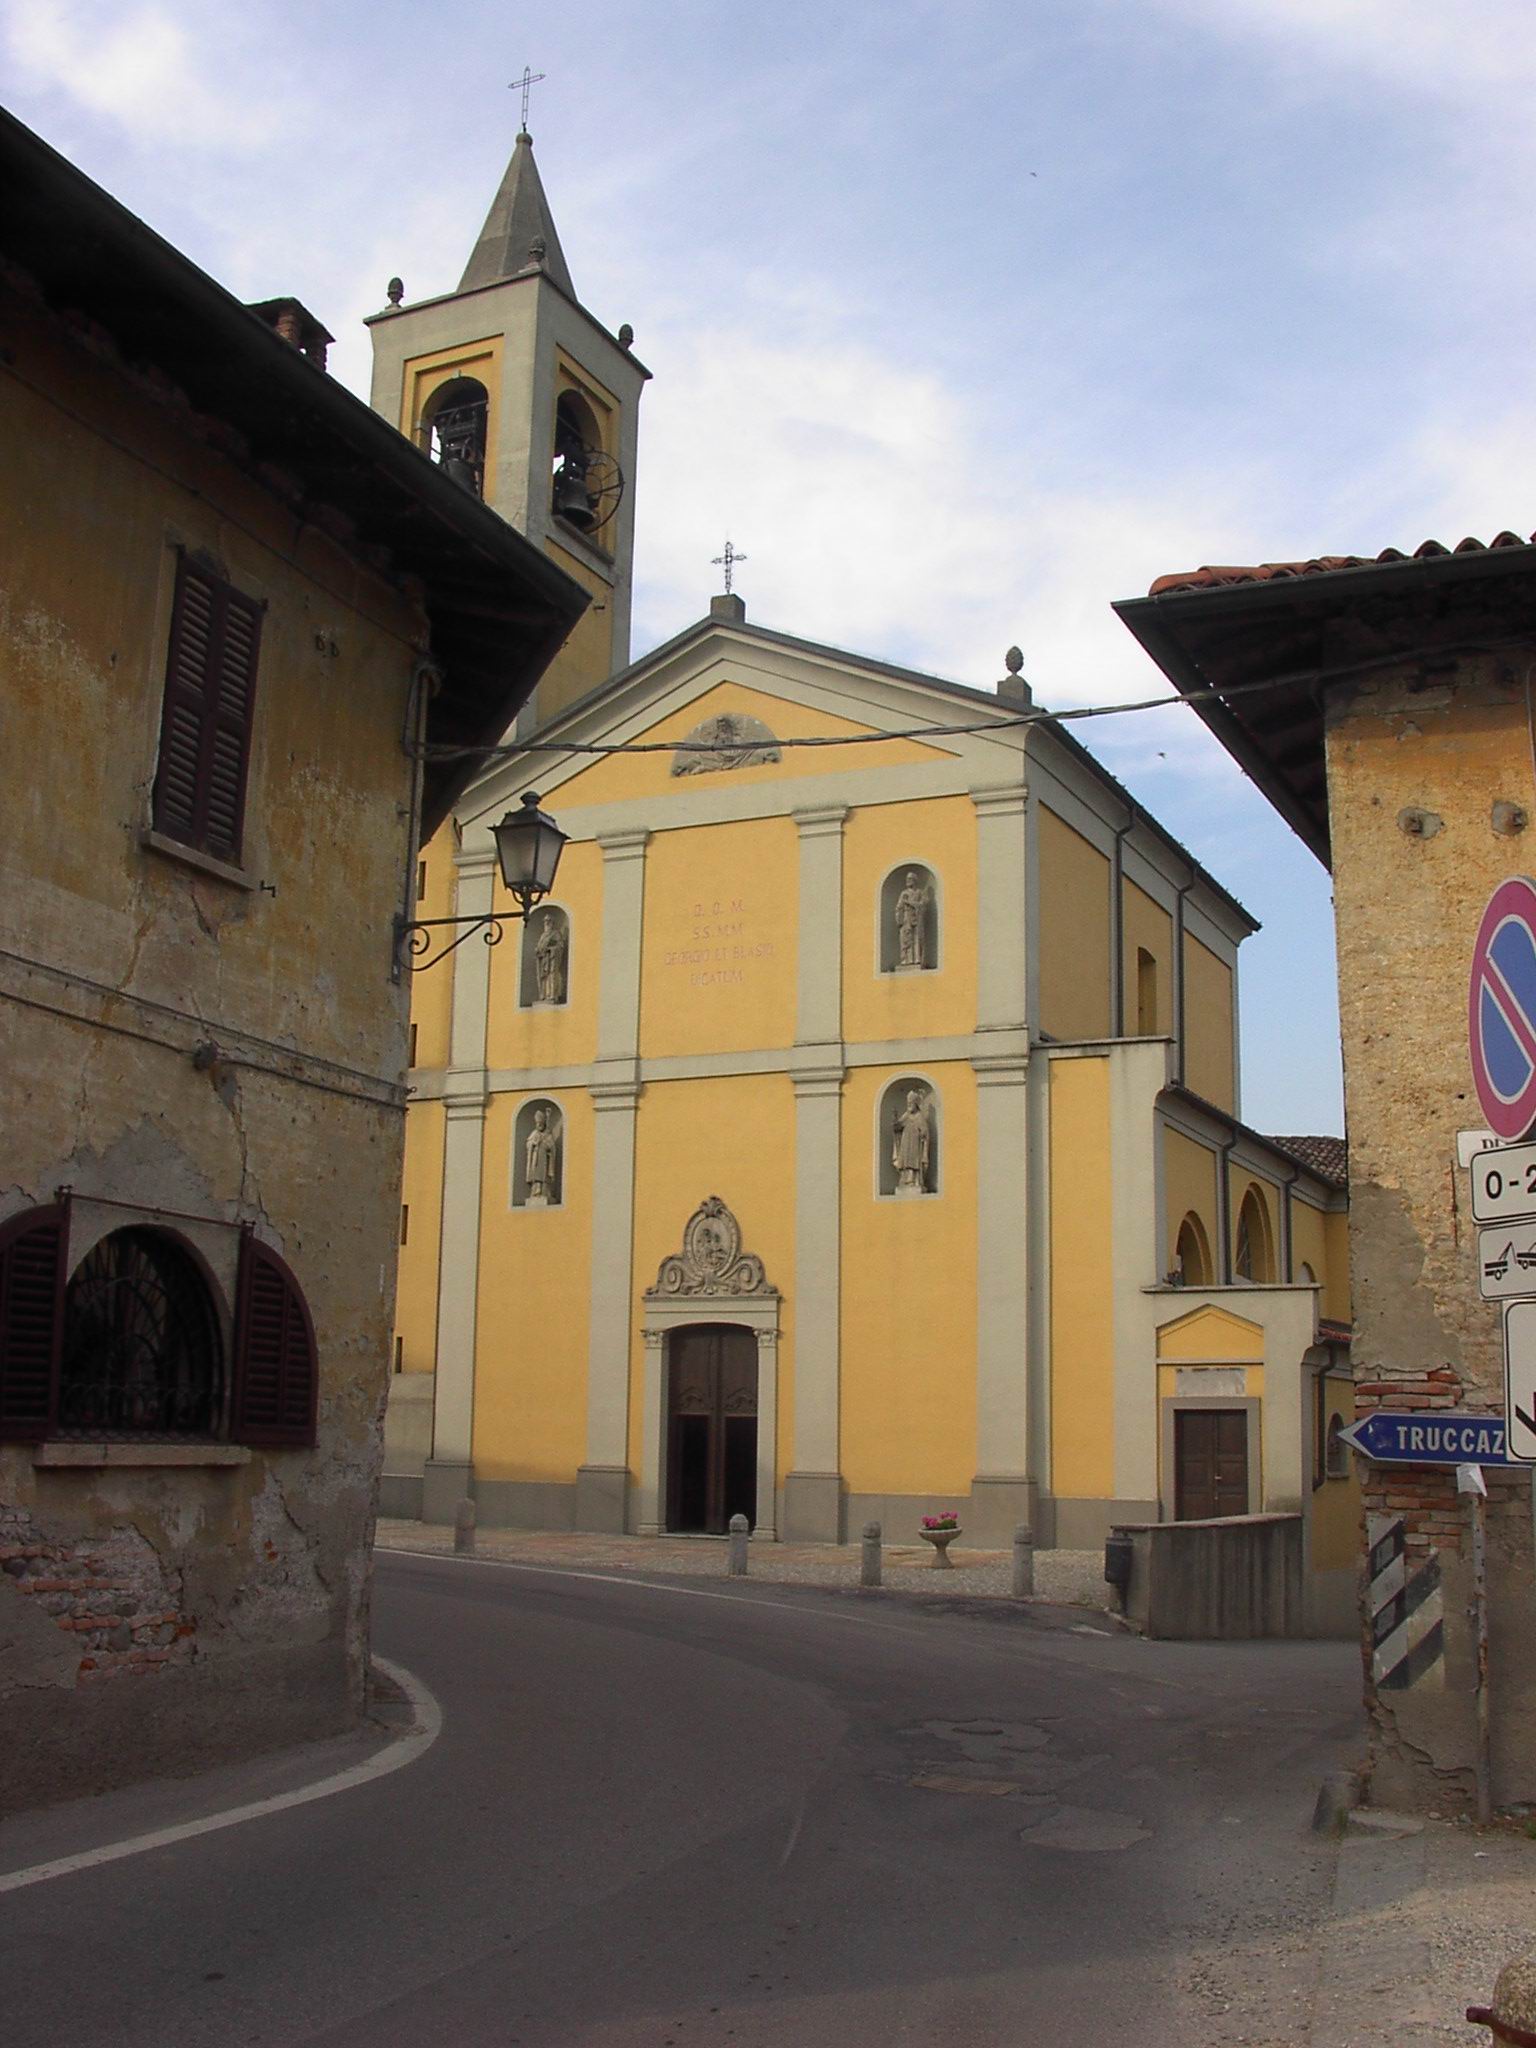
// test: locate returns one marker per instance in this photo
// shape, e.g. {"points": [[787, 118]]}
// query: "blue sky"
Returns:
{"points": [[965, 319]]}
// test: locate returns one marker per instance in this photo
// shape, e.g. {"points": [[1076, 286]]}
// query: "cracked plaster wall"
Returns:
{"points": [[117, 963], [1408, 902]]}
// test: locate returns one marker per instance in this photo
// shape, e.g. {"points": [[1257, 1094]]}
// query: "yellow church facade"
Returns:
{"points": [[854, 1132], [723, 1292]]}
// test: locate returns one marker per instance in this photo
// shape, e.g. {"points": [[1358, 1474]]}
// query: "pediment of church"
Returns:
{"points": [[1210, 1333], [730, 712]]}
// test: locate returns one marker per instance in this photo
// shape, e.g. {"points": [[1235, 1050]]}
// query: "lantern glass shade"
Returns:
{"points": [[528, 845]]}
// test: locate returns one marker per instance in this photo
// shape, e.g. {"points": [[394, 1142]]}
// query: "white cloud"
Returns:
{"points": [[138, 67], [877, 512]]}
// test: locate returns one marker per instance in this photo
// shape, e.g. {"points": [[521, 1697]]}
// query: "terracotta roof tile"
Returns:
{"points": [[1328, 1158], [1322, 565]]}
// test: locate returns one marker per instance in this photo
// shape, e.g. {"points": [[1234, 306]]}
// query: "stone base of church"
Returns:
{"points": [[525, 1504], [1084, 1524], [444, 1483], [813, 1507], [602, 1497], [999, 1502]]}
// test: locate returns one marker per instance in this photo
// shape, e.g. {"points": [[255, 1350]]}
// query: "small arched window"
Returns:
{"points": [[1192, 1255], [454, 426], [1253, 1255], [909, 920], [142, 1354], [538, 1155], [1306, 1277], [908, 1138], [544, 979], [1336, 1456]]}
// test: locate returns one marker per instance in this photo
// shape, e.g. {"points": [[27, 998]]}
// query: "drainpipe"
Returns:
{"points": [[1224, 1185], [1288, 1265], [1178, 980], [1117, 926]]}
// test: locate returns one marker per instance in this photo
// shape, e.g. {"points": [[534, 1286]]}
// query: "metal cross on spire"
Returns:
{"points": [[525, 85], [728, 562]]}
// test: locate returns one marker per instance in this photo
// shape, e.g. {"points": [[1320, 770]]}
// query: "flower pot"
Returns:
{"points": [[941, 1539]]}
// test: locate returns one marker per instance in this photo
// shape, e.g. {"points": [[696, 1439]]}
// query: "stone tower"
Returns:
{"points": [[527, 400]]}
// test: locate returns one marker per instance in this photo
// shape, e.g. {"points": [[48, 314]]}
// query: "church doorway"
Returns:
{"points": [[1210, 1463], [711, 1427]]}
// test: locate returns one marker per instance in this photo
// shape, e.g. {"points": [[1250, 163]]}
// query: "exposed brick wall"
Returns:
{"points": [[110, 1593]]}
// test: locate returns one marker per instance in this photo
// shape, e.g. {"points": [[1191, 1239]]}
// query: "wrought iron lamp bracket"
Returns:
{"points": [[414, 941]]}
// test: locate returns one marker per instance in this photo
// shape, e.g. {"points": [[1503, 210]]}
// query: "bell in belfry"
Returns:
{"points": [[572, 501]]}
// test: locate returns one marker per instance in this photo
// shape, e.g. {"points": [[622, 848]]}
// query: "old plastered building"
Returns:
{"points": [[855, 1131], [231, 601], [1384, 708]]}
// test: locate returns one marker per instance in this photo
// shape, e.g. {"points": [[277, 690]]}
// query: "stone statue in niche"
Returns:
{"points": [[912, 1144], [541, 1163], [912, 921], [733, 740], [549, 958]]}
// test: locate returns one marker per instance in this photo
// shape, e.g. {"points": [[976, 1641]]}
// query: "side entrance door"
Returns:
{"points": [[1210, 1463], [711, 1427]]}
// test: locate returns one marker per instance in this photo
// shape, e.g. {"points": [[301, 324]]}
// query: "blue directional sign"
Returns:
{"points": [[1449, 1437]]}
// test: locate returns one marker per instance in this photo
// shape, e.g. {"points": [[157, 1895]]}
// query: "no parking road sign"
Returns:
{"points": [[1501, 1010]]}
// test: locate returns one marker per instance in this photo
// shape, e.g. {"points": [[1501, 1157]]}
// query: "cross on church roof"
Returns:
{"points": [[728, 562], [525, 84]]}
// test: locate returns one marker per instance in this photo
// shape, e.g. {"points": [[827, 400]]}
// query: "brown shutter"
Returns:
{"points": [[276, 1376], [33, 1267], [205, 727]]}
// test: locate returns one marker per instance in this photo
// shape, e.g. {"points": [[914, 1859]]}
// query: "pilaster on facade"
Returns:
{"points": [[1002, 911], [618, 1001], [813, 1488], [1002, 1494], [819, 1019]]}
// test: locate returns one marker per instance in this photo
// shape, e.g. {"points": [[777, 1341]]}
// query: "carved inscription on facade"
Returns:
{"points": [[722, 946]]}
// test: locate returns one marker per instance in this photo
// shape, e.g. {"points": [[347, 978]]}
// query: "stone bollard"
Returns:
{"points": [[871, 1559], [736, 1548], [1512, 2015], [1023, 1562], [464, 1527]]}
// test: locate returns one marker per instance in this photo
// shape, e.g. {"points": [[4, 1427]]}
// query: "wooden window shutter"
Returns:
{"points": [[205, 727], [33, 1268], [276, 1376]]}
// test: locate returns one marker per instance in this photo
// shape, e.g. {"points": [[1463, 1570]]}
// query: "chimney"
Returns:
{"points": [[297, 326]]}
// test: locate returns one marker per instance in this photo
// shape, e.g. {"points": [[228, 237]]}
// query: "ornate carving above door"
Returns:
{"points": [[712, 1261]]}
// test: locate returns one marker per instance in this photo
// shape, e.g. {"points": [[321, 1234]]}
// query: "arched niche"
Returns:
{"points": [[544, 974], [909, 919], [1253, 1251], [1192, 1253], [454, 425], [908, 1139], [538, 1154]]}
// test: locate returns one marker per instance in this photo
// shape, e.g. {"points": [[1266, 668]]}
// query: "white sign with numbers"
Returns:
{"points": [[1504, 1183]]}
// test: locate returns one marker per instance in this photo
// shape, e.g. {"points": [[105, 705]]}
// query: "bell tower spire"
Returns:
{"points": [[525, 398]]}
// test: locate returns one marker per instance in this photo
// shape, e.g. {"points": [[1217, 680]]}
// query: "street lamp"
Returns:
{"points": [[528, 847]]}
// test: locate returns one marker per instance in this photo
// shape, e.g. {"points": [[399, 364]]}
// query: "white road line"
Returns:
{"points": [[405, 1749]]}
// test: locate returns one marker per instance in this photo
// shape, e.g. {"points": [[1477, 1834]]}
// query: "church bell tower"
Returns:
{"points": [[527, 400]]}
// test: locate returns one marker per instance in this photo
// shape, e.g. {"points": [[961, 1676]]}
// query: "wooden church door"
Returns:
{"points": [[711, 1428], [1210, 1463]]}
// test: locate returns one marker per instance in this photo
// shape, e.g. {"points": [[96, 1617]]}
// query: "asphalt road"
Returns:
{"points": [[681, 1817]]}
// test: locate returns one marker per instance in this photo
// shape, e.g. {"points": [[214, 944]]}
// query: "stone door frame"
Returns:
{"points": [[661, 1317]]}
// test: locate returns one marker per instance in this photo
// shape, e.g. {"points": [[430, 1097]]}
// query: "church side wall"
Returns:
{"points": [[1189, 1184], [1148, 928], [1074, 932], [1210, 1067], [1082, 1290]]}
